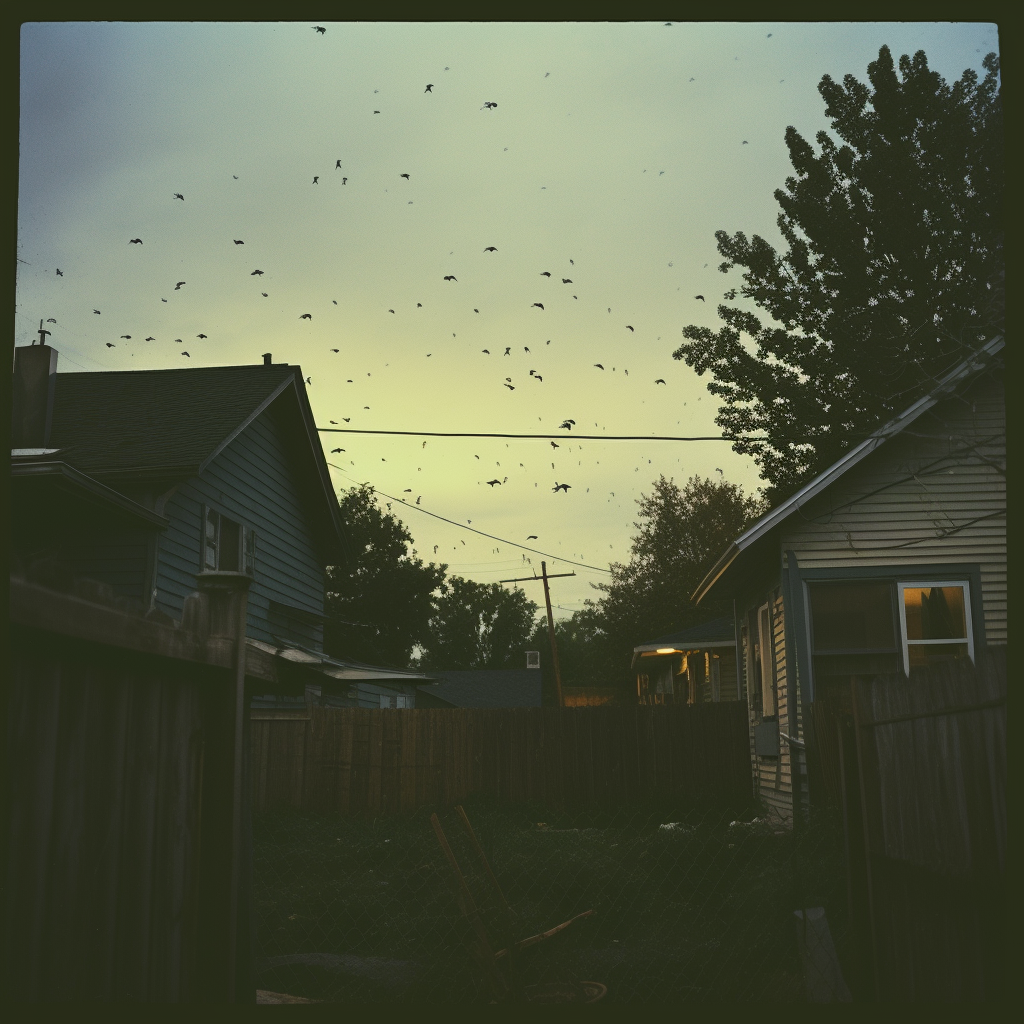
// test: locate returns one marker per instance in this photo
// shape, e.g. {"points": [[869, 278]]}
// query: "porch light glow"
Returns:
{"points": [[667, 650]]}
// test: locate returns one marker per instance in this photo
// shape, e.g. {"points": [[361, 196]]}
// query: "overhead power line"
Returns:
{"points": [[462, 526], [539, 437]]}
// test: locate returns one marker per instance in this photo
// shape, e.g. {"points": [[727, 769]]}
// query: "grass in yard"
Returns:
{"points": [[354, 910]]}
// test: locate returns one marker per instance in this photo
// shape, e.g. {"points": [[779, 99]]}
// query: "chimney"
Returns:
{"points": [[35, 377], [267, 359]]}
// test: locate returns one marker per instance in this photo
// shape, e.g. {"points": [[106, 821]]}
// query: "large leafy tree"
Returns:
{"points": [[478, 625], [679, 535], [892, 272], [378, 607]]}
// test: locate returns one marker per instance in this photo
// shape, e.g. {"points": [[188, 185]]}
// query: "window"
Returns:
{"points": [[766, 660], [880, 627], [401, 700], [713, 672], [228, 546], [935, 623]]}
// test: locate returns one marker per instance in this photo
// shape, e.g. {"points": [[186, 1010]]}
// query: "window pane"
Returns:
{"points": [[230, 542], [922, 655], [934, 613], [852, 616]]}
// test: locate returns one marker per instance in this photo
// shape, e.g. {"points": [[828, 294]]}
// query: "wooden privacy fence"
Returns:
{"points": [[919, 767], [359, 761]]}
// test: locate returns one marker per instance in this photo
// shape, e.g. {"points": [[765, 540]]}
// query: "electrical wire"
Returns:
{"points": [[540, 437], [491, 536]]}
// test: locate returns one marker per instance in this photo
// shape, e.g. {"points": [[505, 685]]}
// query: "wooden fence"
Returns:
{"points": [[358, 761], [919, 767]]}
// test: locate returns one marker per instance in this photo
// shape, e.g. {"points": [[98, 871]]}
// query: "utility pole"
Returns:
{"points": [[551, 622]]}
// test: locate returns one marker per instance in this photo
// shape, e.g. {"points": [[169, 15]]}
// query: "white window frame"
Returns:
{"points": [[901, 586], [246, 540], [766, 650], [713, 667]]}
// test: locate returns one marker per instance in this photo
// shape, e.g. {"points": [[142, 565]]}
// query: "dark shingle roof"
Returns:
{"points": [[715, 631], [131, 420], [488, 688]]}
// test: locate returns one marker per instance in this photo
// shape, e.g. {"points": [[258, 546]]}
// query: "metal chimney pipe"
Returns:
{"points": [[267, 359]]}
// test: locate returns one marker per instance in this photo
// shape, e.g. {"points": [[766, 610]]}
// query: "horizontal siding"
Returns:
{"points": [[250, 481], [920, 498]]}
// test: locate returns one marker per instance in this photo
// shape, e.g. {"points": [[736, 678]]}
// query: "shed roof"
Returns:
{"points": [[980, 361], [488, 688]]}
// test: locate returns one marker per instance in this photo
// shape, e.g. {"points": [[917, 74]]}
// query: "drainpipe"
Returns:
{"points": [[228, 595]]}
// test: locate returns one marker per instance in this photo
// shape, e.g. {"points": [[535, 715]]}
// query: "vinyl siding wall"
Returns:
{"points": [[251, 482], [936, 498]]}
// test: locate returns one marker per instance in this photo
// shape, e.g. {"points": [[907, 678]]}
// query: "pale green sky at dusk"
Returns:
{"points": [[614, 153]]}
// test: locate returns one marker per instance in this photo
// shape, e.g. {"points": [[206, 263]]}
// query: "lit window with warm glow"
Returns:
{"points": [[935, 619]]}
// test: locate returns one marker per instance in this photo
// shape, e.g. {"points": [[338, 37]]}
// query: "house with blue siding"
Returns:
{"points": [[143, 479]]}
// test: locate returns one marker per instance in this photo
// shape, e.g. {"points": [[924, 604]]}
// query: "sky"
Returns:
{"points": [[605, 155]]}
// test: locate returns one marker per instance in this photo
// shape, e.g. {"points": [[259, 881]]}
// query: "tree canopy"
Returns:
{"points": [[478, 625], [679, 535], [378, 608], [891, 276]]}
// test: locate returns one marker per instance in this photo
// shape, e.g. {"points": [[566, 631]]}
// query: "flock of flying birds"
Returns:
{"points": [[488, 252]]}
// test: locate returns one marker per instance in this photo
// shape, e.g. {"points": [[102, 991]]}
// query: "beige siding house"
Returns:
{"points": [[892, 558]]}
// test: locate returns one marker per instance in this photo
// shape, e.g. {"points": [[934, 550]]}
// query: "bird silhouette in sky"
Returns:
{"points": [[163, 300], [406, 176], [335, 422], [127, 337], [508, 351], [200, 335], [344, 181], [744, 143], [566, 280], [490, 248], [532, 536], [486, 351], [110, 344], [510, 387], [60, 273], [567, 425], [309, 381], [539, 305], [488, 106], [628, 328], [335, 350], [553, 445], [306, 316], [376, 111], [178, 195], [561, 487], [337, 165], [334, 451], [599, 366], [238, 241], [264, 294], [50, 320], [451, 277], [701, 297], [256, 273], [491, 483], [545, 273], [429, 88], [659, 381], [476, 310], [186, 354], [151, 339], [316, 179], [178, 285], [319, 28], [392, 311], [135, 241]]}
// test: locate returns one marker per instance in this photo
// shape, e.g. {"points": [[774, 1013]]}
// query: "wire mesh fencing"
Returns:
{"points": [[656, 904]]}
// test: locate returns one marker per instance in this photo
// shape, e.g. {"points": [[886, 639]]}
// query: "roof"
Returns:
{"points": [[336, 668], [488, 688], [970, 368], [172, 423], [716, 633], [126, 421]]}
